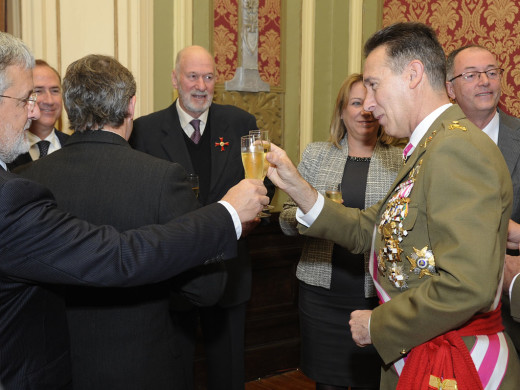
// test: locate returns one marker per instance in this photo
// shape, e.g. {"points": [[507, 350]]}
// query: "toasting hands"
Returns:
{"points": [[248, 198], [285, 176]]}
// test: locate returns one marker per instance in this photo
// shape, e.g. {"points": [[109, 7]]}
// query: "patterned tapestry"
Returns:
{"points": [[494, 24], [225, 39]]}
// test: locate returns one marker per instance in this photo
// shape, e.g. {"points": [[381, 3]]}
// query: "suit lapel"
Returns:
{"points": [[173, 142]]}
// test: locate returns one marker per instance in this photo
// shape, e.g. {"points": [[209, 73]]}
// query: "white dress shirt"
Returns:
{"points": [[34, 151], [185, 120], [492, 128]]}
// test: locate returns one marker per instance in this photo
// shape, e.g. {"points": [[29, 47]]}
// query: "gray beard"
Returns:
{"points": [[11, 150]]}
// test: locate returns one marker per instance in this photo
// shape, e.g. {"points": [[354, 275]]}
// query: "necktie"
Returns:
{"points": [[195, 137], [406, 150], [44, 147]]}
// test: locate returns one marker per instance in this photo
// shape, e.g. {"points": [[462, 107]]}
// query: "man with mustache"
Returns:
{"points": [[204, 137]]}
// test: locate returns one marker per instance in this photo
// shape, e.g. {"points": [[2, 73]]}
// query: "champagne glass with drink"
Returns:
{"points": [[334, 193], [253, 156], [263, 137]]}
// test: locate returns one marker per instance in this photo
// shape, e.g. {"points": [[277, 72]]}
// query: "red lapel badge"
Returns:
{"points": [[221, 144]]}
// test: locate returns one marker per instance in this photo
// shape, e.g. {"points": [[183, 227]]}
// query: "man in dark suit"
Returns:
{"points": [[473, 81], [438, 237], [41, 245], [43, 136], [204, 137], [120, 338]]}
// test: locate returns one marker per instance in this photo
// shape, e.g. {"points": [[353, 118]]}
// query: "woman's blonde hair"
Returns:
{"points": [[337, 126]]}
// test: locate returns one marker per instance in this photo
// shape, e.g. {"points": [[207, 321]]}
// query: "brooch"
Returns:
{"points": [[221, 143], [422, 262]]}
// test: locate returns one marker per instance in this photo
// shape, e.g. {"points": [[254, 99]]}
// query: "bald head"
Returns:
{"points": [[194, 79], [194, 53]]}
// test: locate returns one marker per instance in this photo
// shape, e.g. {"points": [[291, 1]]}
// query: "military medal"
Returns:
{"points": [[422, 262], [221, 143], [393, 232], [397, 277]]}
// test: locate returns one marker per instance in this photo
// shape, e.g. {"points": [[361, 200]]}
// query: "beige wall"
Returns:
{"points": [[61, 31]]}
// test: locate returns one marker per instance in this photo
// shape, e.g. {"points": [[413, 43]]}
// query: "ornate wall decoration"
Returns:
{"points": [[267, 107], [494, 24], [225, 39]]}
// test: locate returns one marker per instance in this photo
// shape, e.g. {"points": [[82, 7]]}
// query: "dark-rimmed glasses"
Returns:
{"points": [[473, 75], [29, 102]]}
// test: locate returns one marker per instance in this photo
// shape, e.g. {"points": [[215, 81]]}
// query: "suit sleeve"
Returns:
{"points": [[202, 285], [39, 243]]}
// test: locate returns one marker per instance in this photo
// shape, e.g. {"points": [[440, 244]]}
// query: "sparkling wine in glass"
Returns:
{"points": [[334, 194], [253, 157], [263, 137]]}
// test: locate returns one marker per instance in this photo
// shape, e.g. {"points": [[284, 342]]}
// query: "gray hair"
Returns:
{"points": [[450, 62], [96, 92], [408, 41], [12, 52]]}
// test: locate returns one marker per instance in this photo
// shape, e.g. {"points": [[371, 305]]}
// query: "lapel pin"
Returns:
{"points": [[221, 143]]}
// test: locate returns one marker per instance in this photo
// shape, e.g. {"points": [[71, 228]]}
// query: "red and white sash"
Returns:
{"points": [[490, 353]]}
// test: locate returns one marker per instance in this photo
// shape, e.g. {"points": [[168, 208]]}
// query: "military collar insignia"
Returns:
{"points": [[455, 125], [222, 144]]}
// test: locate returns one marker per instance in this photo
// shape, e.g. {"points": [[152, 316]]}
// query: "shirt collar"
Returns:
{"points": [[425, 124], [34, 139], [2, 164], [186, 118], [492, 127]]}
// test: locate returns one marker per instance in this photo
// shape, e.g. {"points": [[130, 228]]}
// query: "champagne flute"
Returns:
{"points": [[263, 137], [193, 179], [334, 193], [253, 156]]}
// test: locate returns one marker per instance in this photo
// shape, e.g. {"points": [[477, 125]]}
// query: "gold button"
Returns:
{"points": [[403, 352]]}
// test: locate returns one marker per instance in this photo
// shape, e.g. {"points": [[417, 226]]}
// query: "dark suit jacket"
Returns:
{"points": [[160, 134], [98, 177], [459, 208], [509, 145], [26, 157], [41, 245]]}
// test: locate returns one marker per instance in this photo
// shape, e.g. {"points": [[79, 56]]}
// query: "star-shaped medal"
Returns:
{"points": [[422, 262]]}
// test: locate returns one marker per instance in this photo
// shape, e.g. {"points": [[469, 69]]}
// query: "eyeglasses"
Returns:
{"points": [[469, 77], [27, 102]]}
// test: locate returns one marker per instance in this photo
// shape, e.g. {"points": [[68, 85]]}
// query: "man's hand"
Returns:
{"points": [[248, 198], [513, 235], [285, 176], [359, 320], [511, 269]]}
